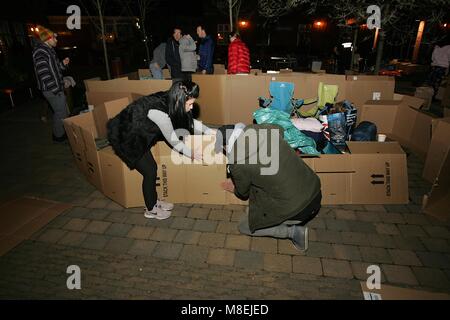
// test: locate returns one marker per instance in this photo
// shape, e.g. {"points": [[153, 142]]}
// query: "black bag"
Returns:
{"points": [[365, 131]]}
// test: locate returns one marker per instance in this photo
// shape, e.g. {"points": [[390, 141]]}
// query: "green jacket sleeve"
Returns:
{"points": [[241, 180]]}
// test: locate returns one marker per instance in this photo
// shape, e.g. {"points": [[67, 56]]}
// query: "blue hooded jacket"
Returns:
{"points": [[206, 52]]}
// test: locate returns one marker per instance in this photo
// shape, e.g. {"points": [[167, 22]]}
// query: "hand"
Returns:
{"points": [[213, 132], [203, 71], [66, 61], [228, 185]]}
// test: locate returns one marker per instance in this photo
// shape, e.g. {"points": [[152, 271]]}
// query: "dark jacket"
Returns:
{"points": [[131, 133], [48, 68], [173, 58], [276, 198], [206, 53]]}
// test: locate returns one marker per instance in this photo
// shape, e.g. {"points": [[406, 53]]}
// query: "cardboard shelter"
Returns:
{"points": [[373, 173], [402, 121], [437, 171]]}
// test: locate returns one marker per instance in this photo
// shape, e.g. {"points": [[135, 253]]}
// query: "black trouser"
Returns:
{"points": [[310, 212], [147, 167]]}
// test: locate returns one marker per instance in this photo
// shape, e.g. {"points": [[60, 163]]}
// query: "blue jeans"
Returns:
{"points": [[156, 71]]}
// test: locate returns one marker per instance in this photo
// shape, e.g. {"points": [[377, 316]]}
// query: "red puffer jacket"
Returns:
{"points": [[238, 57]]}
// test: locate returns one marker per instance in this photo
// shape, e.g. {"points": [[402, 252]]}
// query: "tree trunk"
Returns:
{"points": [[355, 39], [379, 52], [105, 50], [230, 8], [146, 44]]}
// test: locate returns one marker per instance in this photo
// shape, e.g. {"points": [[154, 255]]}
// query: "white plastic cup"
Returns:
{"points": [[381, 138]]}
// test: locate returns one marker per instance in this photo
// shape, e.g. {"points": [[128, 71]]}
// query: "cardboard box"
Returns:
{"points": [[425, 93], [81, 132], [96, 99], [437, 202], [177, 176], [387, 292], [439, 147], [72, 127], [24, 216], [220, 69], [372, 173], [402, 120], [143, 87], [121, 184], [103, 112], [360, 89]]}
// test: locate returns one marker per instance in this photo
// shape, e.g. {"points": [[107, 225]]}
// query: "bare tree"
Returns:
{"points": [[232, 8], [99, 25], [276, 8], [141, 9], [395, 15]]}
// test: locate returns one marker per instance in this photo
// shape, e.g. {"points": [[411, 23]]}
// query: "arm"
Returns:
{"points": [[199, 128], [170, 59], [232, 54], [189, 46], [162, 120], [241, 180]]}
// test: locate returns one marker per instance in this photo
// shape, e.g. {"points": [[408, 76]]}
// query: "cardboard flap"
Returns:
{"points": [[374, 147], [106, 111], [438, 201], [413, 102]]}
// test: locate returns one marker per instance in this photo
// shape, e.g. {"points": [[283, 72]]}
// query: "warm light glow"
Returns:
{"points": [[243, 23], [445, 25], [37, 29], [32, 29]]}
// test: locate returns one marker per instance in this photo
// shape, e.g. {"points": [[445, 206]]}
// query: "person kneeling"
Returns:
{"points": [[284, 193]]}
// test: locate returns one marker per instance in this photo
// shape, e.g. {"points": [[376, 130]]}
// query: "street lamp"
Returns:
{"points": [[243, 24]]}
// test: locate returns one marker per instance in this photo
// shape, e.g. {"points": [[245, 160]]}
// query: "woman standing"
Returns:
{"points": [[188, 56], [150, 119]]}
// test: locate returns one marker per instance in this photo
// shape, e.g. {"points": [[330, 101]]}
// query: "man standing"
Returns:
{"points": [[173, 55], [158, 62], [284, 193], [439, 66], [206, 51], [50, 81], [238, 56]]}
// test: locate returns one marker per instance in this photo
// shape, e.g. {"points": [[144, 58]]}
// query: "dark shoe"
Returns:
{"points": [[300, 238], [63, 138]]}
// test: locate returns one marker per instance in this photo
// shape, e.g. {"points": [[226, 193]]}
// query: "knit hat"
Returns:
{"points": [[45, 34]]}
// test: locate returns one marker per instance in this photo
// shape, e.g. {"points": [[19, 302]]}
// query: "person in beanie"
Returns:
{"points": [[238, 56], [49, 76], [281, 202]]}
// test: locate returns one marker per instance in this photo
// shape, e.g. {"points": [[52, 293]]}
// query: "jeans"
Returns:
{"points": [[284, 230], [59, 107], [435, 78], [156, 71]]}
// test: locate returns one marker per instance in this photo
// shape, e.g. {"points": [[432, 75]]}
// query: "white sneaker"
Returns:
{"points": [[165, 205], [157, 213]]}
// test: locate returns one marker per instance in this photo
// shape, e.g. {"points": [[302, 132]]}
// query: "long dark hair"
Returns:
{"points": [[179, 93]]}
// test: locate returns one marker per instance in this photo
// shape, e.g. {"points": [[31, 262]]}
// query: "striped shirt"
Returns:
{"points": [[48, 69]]}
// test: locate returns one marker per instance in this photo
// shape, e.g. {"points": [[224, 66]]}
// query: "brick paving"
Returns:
{"points": [[198, 253]]}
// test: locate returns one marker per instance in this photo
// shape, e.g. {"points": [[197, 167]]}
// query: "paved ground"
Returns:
{"points": [[198, 253]]}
